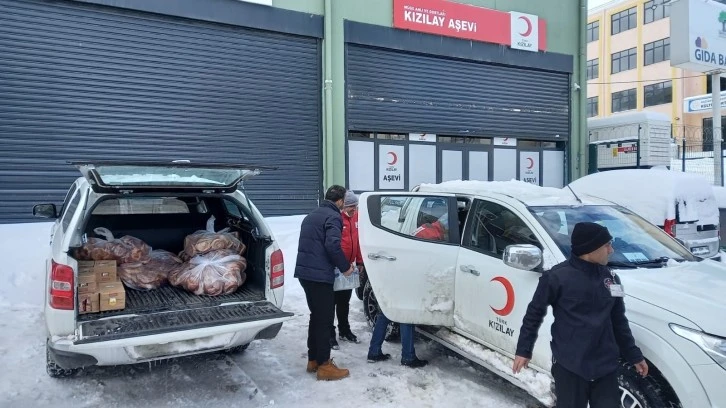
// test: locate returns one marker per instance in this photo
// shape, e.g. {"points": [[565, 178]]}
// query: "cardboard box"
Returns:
{"points": [[112, 296], [88, 302], [105, 271]]}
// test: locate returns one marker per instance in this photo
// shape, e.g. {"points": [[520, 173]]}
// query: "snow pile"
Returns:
{"points": [[526, 192], [116, 179], [720, 194], [654, 194]]}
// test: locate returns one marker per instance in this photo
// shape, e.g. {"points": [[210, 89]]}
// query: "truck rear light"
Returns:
{"points": [[670, 227], [277, 270], [62, 290]]}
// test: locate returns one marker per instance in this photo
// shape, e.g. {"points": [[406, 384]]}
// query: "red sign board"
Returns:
{"points": [[452, 19]]}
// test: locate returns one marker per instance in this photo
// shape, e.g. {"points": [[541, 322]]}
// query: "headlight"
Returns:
{"points": [[714, 346]]}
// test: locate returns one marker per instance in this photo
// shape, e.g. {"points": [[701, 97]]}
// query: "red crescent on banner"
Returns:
{"points": [[531, 162], [395, 158], [527, 32], [509, 306]]}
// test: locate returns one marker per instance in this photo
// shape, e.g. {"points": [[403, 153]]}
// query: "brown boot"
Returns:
{"points": [[328, 371], [312, 366]]}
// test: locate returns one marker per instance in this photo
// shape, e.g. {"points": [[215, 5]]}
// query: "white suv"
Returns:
{"points": [[159, 203], [469, 288]]}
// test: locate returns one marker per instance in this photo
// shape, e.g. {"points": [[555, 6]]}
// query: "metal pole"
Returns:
{"points": [[638, 148], [717, 152], [683, 155]]}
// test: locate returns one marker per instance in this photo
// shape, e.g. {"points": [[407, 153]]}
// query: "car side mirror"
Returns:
{"points": [[45, 211], [525, 257]]}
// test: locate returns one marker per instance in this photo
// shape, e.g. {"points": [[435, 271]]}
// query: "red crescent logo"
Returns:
{"points": [[509, 306], [528, 31], [531, 162], [394, 160]]}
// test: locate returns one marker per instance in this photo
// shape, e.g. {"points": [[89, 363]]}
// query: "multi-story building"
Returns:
{"points": [[628, 66]]}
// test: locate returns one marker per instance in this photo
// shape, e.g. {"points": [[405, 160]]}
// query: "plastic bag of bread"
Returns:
{"points": [[215, 273], [204, 241], [151, 274], [123, 250]]}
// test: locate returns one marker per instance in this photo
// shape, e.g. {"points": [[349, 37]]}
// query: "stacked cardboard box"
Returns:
{"points": [[99, 288]]}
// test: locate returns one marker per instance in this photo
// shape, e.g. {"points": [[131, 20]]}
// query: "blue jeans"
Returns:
{"points": [[408, 352]]}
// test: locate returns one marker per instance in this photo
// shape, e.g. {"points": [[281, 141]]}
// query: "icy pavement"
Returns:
{"points": [[269, 373]]}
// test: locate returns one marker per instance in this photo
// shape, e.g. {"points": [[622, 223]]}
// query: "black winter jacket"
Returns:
{"points": [[319, 250], [590, 331]]}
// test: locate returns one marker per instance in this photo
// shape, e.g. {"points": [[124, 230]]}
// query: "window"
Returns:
{"points": [[657, 51], [593, 31], [593, 66], [658, 94], [708, 83], [141, 206], [67, 200], [70, 210], [624, 100], [593, 107], [391, 136], [493, 227], [656, 10], [450, 139], [624, 60], [624, 21], [425, 218]]}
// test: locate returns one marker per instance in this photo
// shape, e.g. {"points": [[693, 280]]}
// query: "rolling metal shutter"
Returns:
{"points": [[394, 91], [89, 82]]}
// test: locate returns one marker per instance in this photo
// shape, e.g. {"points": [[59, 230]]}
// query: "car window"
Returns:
{"points": [[141, 205], [70, 210], [66, 200], [493, 227], [422, 217]]}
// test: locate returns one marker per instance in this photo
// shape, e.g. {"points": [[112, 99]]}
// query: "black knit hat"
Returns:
{"points": [[588, 237]]}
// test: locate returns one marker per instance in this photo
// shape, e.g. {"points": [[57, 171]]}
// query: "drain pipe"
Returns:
{"points": [[328, 94], [578, 142]]}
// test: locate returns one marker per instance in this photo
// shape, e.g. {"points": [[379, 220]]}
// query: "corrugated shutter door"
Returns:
{"points": [[87, 82], [391, 91]]}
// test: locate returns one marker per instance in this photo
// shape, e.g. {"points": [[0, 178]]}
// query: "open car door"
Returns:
{"points": [[111, 176], [410, 251]]}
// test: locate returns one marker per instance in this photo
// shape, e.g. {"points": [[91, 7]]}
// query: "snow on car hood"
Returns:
{"points": [[654, 194], [694, 290]]}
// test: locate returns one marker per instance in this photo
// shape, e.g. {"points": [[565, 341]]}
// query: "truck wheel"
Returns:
{"points": [[370, 308], [56, 371], [649, 392], [359, 290]]}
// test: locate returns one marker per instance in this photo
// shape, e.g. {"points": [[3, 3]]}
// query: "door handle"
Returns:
{"points": [[469, 269], [376, 257]]}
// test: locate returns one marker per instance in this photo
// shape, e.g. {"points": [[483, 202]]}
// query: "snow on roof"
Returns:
{"points": [[654, 194], [627, 118], [527, 193]]}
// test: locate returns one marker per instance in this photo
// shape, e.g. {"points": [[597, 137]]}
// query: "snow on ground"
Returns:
{"points": [[269, 373]]}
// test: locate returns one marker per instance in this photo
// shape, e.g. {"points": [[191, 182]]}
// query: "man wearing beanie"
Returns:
{"points": [[351, 248], [590, 331]]}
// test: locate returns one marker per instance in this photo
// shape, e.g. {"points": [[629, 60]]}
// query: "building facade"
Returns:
{"points": [[628, 68], [375, 95]]}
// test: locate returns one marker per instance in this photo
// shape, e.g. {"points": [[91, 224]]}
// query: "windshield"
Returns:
{"points": [[635, 240]]}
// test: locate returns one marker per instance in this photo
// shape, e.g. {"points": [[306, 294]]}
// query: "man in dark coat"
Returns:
{"points": [[590, 331], [319, 253]]}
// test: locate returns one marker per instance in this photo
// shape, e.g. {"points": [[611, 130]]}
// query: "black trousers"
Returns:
{"points": [[573, 391], [342, 308], [320, 302]]}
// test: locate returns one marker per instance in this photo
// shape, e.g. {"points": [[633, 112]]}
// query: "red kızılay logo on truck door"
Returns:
{"points": [[498, 323]]}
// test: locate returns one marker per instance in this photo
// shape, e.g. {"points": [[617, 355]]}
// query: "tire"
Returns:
{"points": [[652, 391], [236, 349], [56, 371], [359, 289], [370, 308]]}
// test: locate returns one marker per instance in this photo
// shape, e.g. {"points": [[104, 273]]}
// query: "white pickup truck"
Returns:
{"points": [[470, 289]]}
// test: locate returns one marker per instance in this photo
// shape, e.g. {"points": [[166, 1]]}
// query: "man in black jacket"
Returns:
{"points": [[590, 331], [319, 253]]}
